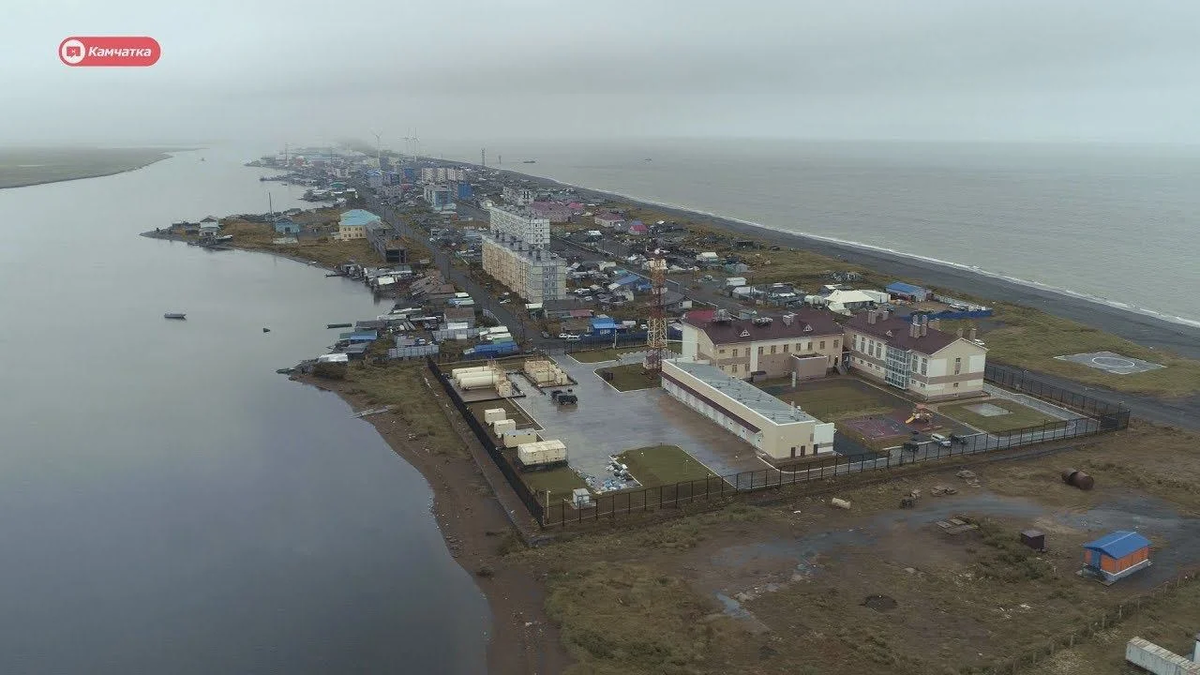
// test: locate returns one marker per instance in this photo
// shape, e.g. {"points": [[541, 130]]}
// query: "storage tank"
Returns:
{"points": [[541, 452], [478, 381], [457, 372], [493, 415], [517, 437], [501, 426], [1078, 479]]}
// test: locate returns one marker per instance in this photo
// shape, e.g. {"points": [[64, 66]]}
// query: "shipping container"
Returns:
{"points": [[501, 426], [477, 381], [493, 415], [457, 372], [541, 453], [519, 437]]}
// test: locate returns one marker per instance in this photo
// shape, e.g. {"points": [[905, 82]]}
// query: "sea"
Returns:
{"points": [[170, 504], [1115, 224]]}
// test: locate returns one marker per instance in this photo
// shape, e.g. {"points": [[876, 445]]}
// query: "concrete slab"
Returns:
{"points": [[1111, 362], [607, 422], [988, 410]]}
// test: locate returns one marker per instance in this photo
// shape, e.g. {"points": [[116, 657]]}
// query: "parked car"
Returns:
{"points": [[961, 440], [911, 446], [563, 336], [940, 440], [572, 338]]}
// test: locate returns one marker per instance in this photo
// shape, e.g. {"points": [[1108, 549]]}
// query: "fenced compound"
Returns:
{"points": [[715, 489]]}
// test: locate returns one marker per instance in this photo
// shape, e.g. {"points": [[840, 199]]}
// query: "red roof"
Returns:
{"points": [[805, 322], [894, 331], [699, 315]]}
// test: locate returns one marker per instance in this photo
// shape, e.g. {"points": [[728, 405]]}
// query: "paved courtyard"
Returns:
{"points": [[607, 422]]}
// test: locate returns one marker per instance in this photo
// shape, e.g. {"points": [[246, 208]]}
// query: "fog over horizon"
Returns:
{"points": [[478, 70]]}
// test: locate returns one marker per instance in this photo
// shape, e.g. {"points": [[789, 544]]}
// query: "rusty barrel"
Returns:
{"points": [[1078, 479]]}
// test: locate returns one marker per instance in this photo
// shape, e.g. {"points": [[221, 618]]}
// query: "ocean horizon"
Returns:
{"points": [[1101, 222]]}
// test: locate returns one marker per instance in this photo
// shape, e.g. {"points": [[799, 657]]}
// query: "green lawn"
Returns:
{"points": [[1019, 416], [599, 355], [560, 482], [833, 401], [630, 377], [663, 465]]}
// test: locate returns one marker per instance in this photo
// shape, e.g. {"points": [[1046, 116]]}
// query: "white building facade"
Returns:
{"points": [[520, 224], [532, 273]]}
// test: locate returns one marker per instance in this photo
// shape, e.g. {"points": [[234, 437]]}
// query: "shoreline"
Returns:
{"points": [[1137, 326], [522, 639], [115, 172]]}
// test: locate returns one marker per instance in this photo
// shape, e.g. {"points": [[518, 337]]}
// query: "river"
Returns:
{"points": [[168, 503]]}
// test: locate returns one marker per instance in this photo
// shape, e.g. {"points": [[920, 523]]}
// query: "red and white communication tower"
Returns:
{"points": [[656, 327]]}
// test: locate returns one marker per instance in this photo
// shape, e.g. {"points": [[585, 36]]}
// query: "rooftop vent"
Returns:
{"points": [[889, 333], [744, 333], [762, 321], [788, 318], [808, 328], [721, 316]]}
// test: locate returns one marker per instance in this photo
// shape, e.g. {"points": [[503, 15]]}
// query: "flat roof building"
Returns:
{"points": [[353, 224], [778, 430]]}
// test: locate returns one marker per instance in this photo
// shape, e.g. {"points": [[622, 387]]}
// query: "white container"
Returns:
{"points": [[501, 426], [516, 438], [459, 372], [839, 503], [494, 414], [541, 452], [479, 381]]}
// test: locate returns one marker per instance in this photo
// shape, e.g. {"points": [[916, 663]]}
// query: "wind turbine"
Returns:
{"points": [[378, 149]]}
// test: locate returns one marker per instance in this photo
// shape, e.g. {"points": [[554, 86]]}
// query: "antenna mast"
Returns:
{"points": [[656, 334]]}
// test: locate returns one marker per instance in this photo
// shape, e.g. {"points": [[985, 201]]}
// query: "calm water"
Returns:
{"points": [[1118, 224], [169, 504]]}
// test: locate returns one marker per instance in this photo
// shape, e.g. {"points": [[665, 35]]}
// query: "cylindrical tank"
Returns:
{"points": [[1078, 479], [458, 372], [477, 381]]}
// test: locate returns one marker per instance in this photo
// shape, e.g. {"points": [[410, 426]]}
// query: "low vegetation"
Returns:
{"points": [[630, 377], [324, 249], [32, 166], [833, 401], [663, 465], [1018, 417], [416, 398], [560, 482]]}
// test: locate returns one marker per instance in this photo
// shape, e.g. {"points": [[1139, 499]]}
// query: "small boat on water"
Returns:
{"points": [[174, 315]]}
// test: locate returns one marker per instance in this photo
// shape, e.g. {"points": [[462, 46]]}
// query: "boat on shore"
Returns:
{"points": [[175, 315]]}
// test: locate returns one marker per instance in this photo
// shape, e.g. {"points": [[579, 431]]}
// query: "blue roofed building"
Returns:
{"points": [[631, 282], [908, 291], [285, 225], [1116, 555], [603, 326], [354, 223]]}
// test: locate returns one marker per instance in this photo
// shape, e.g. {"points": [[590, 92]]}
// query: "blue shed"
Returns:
{"points": [[364, 336], [603, 326], [908, 291], [1116, 555], [286, 225]]}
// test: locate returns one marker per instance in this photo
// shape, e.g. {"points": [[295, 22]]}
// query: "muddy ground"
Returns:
{"points": [[803, 587]]}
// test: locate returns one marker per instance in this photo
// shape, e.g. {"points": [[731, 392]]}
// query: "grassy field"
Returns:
{"points": [[32, 166], [663, 465], [832, 401], [1018, 416], [416, 396], [324, 250], [1031, 339], [962, 603], [630, 377], [600, 355], [561, 482]]}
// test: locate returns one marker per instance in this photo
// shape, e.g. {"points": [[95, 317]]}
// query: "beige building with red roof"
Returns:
{"points": [[914, 356], [807, 342]]}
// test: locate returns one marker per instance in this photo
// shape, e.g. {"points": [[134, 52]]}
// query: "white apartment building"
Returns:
{"points": [[911, 354], [531, 272], [516, 195], [520, 224]]}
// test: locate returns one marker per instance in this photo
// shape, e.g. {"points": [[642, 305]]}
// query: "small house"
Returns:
{"points": [[1116, 555], [603, 325], [210, 226], [286, 225]]}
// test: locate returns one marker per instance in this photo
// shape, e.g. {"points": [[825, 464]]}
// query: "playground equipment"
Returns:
{"points": [[920, 414]]}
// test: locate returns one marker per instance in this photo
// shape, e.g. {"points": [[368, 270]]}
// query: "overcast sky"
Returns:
{"points": [[301, 70]]}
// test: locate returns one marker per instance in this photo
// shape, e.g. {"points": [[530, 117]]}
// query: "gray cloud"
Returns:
{"points": [[494, 69]]}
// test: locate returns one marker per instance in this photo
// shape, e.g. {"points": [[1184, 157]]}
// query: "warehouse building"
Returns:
{"points": [[778, 430], [806, 342], [913, 355]]}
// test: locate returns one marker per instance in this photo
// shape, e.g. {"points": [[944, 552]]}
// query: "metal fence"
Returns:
{"points": [[1017, 379], [1104, 621], [561, 512]]}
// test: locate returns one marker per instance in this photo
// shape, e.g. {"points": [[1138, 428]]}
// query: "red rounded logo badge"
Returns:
{"points": [[109, 51]]}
